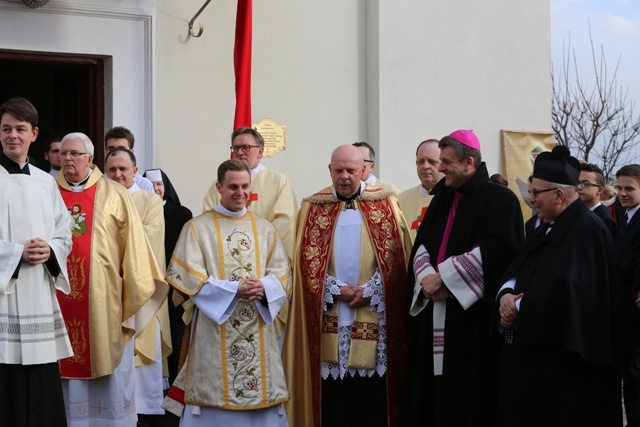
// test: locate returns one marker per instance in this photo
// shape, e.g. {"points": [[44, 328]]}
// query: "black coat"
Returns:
{"points": [[604, 214], [488, 215], [567, 345]]}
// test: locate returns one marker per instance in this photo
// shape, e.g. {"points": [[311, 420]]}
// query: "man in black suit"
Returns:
{"points": [[628, 246], [590, 188], [533, 222]]}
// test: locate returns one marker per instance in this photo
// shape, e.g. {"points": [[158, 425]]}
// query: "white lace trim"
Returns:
{"points": [[372, 289]]}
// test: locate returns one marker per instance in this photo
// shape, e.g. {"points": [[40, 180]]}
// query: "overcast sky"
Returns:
{"points": [[615, 25]]}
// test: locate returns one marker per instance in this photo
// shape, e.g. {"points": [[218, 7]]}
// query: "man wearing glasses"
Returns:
{"points": [[113, 276], [590, 187], [369, 156], [271, 194], [559, 311]]}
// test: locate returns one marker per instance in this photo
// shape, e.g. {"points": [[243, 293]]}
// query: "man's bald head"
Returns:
{"points": [[346, 168]]}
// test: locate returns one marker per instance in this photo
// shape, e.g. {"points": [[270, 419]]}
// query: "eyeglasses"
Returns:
{"points": [[244, 148], [588, 184], [536, 193], [73, 154]]}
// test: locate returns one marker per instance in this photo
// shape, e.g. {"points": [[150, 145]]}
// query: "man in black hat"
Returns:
{"points": [[559, 312]]}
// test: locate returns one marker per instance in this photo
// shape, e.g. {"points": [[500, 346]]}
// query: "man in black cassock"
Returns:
{"points": [[471, 232], [560, 312]]}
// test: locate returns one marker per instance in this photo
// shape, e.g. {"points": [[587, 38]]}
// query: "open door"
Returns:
{"points": [[67, 91]]}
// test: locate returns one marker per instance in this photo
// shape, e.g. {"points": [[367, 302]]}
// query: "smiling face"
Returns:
{"points": [[234, 190], [456, 171], [120, 168], [547, 201], [16, 137], [628, 191]]}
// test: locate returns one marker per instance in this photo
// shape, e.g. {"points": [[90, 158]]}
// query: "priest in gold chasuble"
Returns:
{"points": [[233, 266], [344, 342], [113, 277], [153, 344]]}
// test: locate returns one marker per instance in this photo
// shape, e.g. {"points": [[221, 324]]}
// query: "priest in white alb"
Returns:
{"points": [[35, 239]]}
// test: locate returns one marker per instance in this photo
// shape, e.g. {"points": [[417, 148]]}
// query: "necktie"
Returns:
{"points": [[623, 225]]}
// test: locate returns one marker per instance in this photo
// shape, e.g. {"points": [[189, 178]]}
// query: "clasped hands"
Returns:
{"points": [[433, 288], [508, 310], [36, 251], [250, 289], [353, 296]]}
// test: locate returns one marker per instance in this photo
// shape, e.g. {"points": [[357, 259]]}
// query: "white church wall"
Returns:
{"points": [[334, 72]]}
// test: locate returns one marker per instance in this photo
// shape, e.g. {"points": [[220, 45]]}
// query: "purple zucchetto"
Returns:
{"points": [[466, 137], [557, 166]]}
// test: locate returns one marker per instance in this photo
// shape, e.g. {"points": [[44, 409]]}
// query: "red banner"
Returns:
{"points": [[242, 64]]}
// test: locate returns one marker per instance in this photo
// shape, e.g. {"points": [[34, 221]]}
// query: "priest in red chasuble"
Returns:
{"points": [[113, 277], [344, 343]]}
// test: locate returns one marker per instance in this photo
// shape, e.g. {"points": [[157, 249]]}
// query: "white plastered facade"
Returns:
{"points": [[391, 73]]}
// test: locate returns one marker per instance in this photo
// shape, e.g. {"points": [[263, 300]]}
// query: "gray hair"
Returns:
{"points": [[88, 145], [569, 190]]}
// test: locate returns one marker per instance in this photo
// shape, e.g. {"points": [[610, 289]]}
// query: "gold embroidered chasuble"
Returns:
{"points": [[151, 211], [115, 282], [390, 242], [234, 365]]}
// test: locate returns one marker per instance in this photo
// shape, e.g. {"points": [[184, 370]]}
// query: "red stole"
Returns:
{"points": [[387, 239], [75, 306]]}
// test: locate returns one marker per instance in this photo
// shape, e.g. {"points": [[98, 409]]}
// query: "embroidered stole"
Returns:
{"points": [[440, 307], [75, 305], [385, 238]]}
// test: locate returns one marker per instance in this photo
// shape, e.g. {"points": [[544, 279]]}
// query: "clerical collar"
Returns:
{"points": [[349, 200], [133, 188], [224, 211], [423, 191], [12, 166], [81, 183], [257, 168], [371, 180]]}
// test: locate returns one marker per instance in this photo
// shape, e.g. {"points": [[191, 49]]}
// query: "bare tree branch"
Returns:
{"points": [[596, 122]]}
